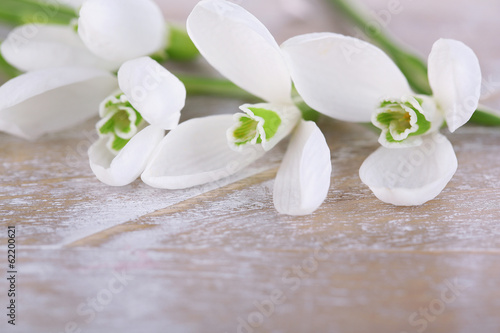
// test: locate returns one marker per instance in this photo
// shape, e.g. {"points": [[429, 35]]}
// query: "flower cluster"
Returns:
{"points": [[70, 76]]}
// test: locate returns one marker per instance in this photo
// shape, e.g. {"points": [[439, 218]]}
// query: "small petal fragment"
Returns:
{"points": [[37, 46], [410, 176], [241, 48], [124, 168], [153, 91], [455, 78], [195, 153], [51, 100], [303, 178], [121, 30], [342, 77]]}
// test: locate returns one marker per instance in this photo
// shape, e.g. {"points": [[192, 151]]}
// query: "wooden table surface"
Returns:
{"points": [[218, 258]]}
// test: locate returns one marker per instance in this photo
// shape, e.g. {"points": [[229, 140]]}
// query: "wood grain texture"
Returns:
{"points": [[211, 259]]}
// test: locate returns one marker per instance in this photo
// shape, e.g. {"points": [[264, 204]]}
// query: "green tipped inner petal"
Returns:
{"points": [[400, 120], [246, 132], [251, 127], [272, 121], [120, 121]]}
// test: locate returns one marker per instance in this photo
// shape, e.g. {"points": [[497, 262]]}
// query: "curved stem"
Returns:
{"points": [[196, 85]]}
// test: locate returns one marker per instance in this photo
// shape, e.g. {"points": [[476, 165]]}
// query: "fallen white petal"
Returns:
{"points": [[52, 99], [342, 77], [130, 162], [153, 91], [410, 176], [36, 46], [455, 78], [241, 48], [196, 152], [121, 30], [303, 178]]}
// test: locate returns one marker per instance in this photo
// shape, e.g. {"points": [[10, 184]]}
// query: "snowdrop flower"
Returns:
{"points": [[207, 149], [109, 32], [352, 80], [67, 68], [50, 100], [134, 120]]}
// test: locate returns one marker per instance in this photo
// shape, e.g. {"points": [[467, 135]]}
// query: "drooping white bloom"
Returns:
{"points": [[134, 120], [50, 100], [207, 149], [352, 80], [121, 30]]}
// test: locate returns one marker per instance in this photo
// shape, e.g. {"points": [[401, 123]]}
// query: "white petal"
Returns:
{"points": [[52, 99], [121, 30], [342, 77], [410, 176], [303, 178], [130, 162], [153, 91], [36, 46], [196, 152], [455, 78], [241, 48]]}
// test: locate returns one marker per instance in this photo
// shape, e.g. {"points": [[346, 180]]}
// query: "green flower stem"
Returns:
{"points": [[412, 66], [486, 117], [18, 12], [180, 47], [197, 86]]}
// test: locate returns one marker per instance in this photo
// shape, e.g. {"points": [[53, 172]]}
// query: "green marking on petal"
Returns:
{"points": [[118, 143], [271, 121], [400, 120], [119, 121], [246, 132], [251, 126]]}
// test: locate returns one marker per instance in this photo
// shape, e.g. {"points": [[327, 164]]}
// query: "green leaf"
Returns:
{"points": [[18, 12]]}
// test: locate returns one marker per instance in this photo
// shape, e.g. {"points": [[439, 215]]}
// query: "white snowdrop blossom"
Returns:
{"points": [[352, 80], [207, 149], [67, 76], [134, 120]]}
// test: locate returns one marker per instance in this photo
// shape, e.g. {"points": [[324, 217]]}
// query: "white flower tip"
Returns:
{"points": [[455, 79], [241, 48], [196, 153], [130, 162], [303, 178], [410, 176], [358, 73], [153, 91], [120, 30]]}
